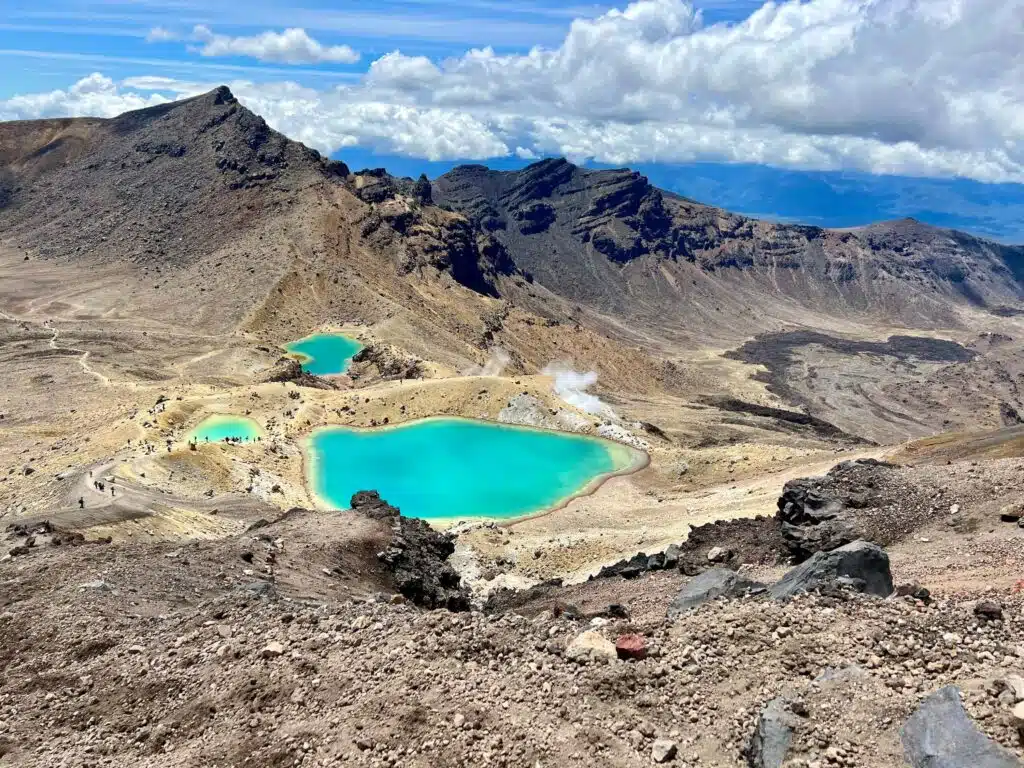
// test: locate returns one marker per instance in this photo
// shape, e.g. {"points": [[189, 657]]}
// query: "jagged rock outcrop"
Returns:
{"points": [[861, 566], [417, 556], [288, 369], [387, 362], [425, 237], [754, 541], [941, 735], [106, 191], [863, 499]]}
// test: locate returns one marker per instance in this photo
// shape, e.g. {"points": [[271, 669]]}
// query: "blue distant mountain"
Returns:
{"points": [[824, 198], [847, 199]]}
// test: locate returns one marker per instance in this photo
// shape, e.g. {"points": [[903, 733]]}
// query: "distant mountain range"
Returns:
{"points": [[164, 186], [819, 198]]}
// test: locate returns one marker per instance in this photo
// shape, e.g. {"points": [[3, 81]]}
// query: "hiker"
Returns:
{"points": [[81, 502]]}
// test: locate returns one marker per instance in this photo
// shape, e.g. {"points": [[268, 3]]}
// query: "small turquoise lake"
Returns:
{"points": [[221, 426], [450, 468], [325, 354]]}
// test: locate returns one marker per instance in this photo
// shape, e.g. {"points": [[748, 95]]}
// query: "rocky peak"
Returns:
{"points": [[196, 169], [538, 182]]}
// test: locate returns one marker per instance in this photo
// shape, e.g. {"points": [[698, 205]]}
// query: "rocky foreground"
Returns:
{"points": [[310, 640]]}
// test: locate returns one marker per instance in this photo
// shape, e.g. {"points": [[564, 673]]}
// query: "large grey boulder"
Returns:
{"points": [[941, 735], [770, 741], [714, 583], [860, 565]]}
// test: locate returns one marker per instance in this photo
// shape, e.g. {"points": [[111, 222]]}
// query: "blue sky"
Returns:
{"points": [[47, 44], [834, 112]]}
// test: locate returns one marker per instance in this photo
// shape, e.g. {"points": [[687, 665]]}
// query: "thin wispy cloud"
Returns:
{"points": [[453, 25], [161, 35], [174, 64]]}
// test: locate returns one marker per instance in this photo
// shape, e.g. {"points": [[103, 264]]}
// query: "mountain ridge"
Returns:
{"points": [[562, 222]]}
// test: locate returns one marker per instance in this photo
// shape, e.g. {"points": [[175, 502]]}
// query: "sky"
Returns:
{"points": [[835, 112]]}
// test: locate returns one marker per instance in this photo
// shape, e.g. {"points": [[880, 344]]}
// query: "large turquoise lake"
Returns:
{"points": [[325, 354], [221, 426], [447, 468]]}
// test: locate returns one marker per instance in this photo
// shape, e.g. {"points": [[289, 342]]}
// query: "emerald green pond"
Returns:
{"points": [[221, 426], [448, 468], [325, 354]]}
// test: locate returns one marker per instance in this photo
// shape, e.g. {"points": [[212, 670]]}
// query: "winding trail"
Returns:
{"points": [[83, 355], [131, 501]]}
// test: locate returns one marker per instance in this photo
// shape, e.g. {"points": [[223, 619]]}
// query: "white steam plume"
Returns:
{"points": [[496, 363], [572, 386]]}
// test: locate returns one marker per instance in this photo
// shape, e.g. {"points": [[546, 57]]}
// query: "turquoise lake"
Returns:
{"points": [[446, 468], [325, 354], [221, 425]]}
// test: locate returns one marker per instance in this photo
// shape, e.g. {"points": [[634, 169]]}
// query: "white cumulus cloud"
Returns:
{"points": [[916, 87], [292, 46], [95, 96]]}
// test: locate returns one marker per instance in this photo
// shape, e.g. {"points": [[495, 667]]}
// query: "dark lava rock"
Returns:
{"points": [[632, 568], [811, 519], [756, 541], [1009, 415], [421, 190], [989, 610], [417, 556], [780, 416], [915, 591], [772, 738], [860, 565], [390, 362], [941, 735], [862, 499], [718, 582], [534, 218]]}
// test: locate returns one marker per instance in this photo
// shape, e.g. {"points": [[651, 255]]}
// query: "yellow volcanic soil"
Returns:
{"points": [[82, 375]]}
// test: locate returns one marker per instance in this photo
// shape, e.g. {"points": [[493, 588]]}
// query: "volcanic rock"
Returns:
{"points": [[941, 735], [773, 736], [417, 556], [663, 750], [717, 582], [590, 645], [631, 647], [989, 610], [861, 566]]}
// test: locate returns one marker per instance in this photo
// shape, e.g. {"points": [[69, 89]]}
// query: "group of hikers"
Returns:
{"points": [[100, 486]]}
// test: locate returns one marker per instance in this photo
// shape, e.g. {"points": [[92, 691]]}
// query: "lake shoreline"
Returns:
{"points": [[632, 460]]}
